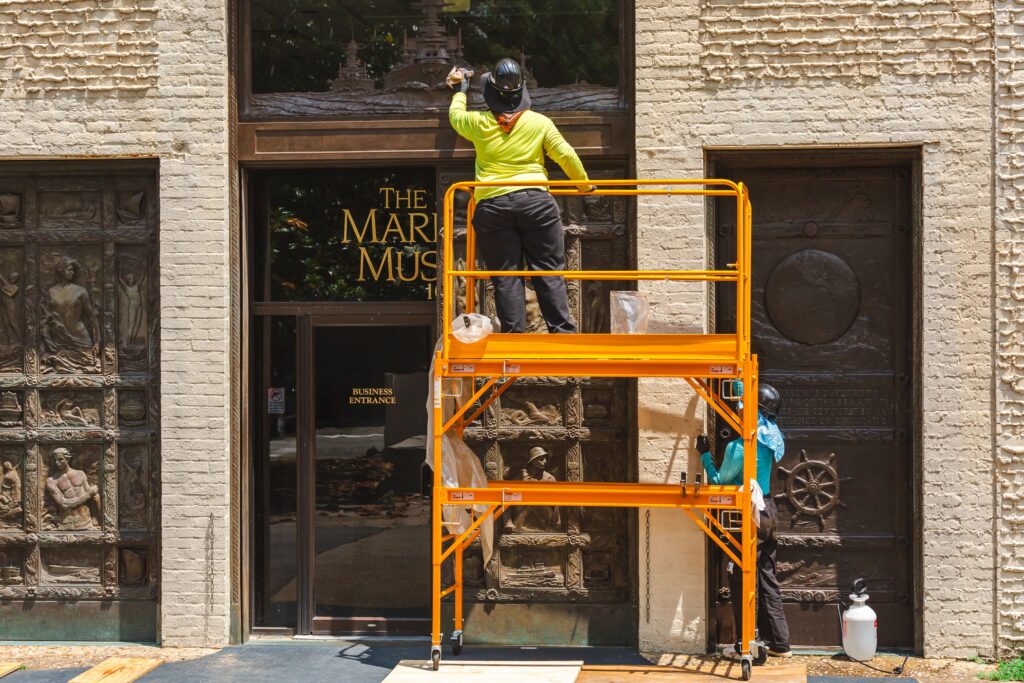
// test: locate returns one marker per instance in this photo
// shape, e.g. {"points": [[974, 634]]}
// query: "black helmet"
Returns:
{"points": [[768, 400], [507, 78]]}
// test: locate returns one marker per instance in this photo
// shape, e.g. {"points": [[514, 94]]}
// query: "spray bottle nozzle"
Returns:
{"points": [[860, 586]]}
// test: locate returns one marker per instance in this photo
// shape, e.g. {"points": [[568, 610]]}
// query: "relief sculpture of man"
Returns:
{"points": [[535, 518], [70, 491], [70, 330]]}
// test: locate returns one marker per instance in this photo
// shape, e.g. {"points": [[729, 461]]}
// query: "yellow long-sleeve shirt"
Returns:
{"points": [[516, 156]]}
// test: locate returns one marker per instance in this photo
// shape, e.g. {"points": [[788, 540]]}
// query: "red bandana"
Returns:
{"points": [[508, 121]]}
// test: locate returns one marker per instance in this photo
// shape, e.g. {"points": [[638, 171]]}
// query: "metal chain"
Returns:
{"points": [[647, 567]]}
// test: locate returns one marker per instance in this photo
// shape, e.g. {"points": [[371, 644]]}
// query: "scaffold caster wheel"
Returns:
{"points": [[435, 657], [762, 656], [457, 643], [745, 669]]}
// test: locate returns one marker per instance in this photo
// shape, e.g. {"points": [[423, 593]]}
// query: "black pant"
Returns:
{"points": [[524, 226], [772, 627]]}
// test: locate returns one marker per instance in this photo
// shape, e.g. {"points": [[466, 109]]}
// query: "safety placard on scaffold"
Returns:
{"points": [[462, 495], [463, 368], [510, 368], [721, 500], [722, 369]]}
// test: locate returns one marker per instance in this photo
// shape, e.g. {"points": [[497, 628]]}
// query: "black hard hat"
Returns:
{"points": [[768, 400], [507, 78], [505, 88]]}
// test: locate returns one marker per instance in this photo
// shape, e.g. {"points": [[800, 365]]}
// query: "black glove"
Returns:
{"points": [[464, 84], [703, 444]]}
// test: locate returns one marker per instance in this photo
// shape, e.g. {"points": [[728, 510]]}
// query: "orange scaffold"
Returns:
{"points": [[709, 363]]}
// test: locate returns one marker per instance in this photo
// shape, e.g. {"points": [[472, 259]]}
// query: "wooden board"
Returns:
{"points": [[118, 670], [8, 667], [691, 670], [455, 670]]}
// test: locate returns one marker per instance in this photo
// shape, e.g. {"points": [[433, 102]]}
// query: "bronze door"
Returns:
{"points": [[79, 401], [831, 307], [560, 576]]}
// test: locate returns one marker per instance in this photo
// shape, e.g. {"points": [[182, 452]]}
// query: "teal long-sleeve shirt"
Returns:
{"points": [[731, 472]]}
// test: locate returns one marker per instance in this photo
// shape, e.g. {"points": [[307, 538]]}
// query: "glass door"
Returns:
{"points": [[371, 535]]}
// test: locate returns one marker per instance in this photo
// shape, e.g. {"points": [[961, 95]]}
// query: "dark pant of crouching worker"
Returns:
{"points": [[518, 229], [772, 627]]}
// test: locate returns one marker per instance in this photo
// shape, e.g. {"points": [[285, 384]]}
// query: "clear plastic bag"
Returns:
{"points": [[460, 466], [629, 312], [471, 327]]}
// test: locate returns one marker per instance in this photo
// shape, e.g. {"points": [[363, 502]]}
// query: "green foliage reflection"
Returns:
{"points": [[310, 259], [299, 44]]}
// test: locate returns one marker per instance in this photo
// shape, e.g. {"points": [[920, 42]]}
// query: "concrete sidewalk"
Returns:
{"points": [[370, 661]]}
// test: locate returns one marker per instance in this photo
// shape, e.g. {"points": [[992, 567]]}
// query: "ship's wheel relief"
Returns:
{"points": [[812, 487]]}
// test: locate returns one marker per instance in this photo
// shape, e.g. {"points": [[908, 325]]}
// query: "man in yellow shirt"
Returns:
{"points": [[517, 226]]}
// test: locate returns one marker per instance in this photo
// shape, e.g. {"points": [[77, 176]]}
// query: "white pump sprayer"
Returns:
{"points": [[860, 626]]}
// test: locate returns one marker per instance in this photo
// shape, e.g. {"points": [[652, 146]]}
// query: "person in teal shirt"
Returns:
{"points": [[772, 627]]}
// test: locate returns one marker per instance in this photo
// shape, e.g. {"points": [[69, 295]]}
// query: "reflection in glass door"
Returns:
{"points": [[372, 541]]}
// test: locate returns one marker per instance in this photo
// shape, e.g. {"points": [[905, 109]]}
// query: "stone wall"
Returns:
{"points": [[1009, 276], [717, 73], [131, 78]]}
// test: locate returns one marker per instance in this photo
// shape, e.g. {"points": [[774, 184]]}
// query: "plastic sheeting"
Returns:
{"points": [[630, 312], [460, 467]]}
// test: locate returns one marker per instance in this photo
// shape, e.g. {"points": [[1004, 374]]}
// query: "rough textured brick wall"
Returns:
{"points": [[688, 100], [852, 40], [85, 46], [148, 78], [1010, 321]]}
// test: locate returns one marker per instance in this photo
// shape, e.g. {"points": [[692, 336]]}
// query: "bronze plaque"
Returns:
{"points": [[579, 557], [78, 379], [831, 308]]}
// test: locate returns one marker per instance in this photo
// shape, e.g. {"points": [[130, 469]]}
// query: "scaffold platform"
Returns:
{"points": [[709, 363]]}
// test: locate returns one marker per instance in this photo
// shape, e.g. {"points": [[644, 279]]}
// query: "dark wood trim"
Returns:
{"points": [[271, 632], [419, 139], [342, 310], [810, 155], [364, 626], [306, 479]]}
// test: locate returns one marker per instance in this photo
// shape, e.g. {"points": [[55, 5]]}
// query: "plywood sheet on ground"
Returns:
{"points": [[457, 671], [118, 670], [8, 667], [692, 670]]}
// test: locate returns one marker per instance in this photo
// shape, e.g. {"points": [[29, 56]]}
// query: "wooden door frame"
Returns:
{"points": [[345, 315], [606, 136], [715, 157]]}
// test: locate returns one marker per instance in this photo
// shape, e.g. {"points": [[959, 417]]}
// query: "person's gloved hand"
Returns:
{"points": [[703, 444], [458, 79], [586, 188]]}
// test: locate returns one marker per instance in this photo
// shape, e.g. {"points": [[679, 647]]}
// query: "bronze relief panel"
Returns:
{"points": [[70, 302], [12, 309], [70, 409], [10, 209], [557, 429], [12, 494], [79, 412], [134, 488], [831, 293], [70, 209], [70, 565], [71, 488]]}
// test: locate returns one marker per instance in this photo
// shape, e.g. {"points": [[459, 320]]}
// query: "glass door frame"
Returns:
{"points": [[311, 317]]}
